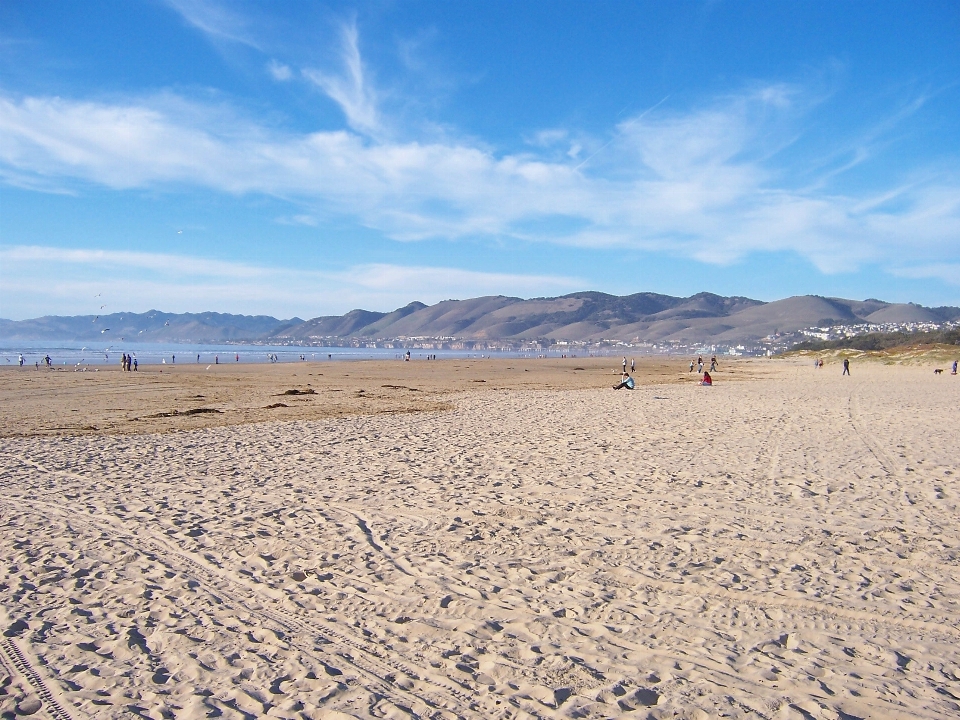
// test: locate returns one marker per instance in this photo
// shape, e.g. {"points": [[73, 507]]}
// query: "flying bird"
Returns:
{"points": [[179, 232], [104, 330], [95, 319]]}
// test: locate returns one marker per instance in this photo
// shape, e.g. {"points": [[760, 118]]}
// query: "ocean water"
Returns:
{"points": [[78, 354]]}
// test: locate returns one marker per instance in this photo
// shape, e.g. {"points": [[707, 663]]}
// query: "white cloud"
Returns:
{"points": [[216, 20], [948, 272], [551, 136], [39, 280], [112, 260], [351, 91], [700, 184], [279, 71], [301, 219]]}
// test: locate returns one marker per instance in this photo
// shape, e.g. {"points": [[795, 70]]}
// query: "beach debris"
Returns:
{"points": [[790, 641], [177, 413]]}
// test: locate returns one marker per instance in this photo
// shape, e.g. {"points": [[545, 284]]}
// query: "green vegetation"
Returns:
{"points": [[884, 341]]}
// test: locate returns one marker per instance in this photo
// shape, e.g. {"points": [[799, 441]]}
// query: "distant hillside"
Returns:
{"points": [[593, 316], [582, 316], [151, 326]]}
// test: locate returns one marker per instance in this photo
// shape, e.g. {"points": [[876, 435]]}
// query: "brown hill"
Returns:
{"points": [[583, 316]]}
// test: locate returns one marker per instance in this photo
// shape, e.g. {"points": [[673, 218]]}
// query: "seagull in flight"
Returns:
{"points": [[104, 330]]}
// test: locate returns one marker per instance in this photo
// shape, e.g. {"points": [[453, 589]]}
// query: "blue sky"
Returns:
{"points": [[307, 158]]}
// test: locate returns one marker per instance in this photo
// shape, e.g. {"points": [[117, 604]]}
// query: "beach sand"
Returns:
{"points": [[166, 398], [781, 545]]}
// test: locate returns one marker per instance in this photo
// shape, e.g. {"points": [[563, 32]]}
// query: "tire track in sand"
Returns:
{"points": [[14, 659], [364, 657]]}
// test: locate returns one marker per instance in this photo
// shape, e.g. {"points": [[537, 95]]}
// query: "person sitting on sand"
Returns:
{"points": [[625, 383], [707, 380]]}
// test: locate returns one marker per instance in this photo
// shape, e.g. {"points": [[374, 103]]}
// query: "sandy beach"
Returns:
{"points": [[480, 539]]}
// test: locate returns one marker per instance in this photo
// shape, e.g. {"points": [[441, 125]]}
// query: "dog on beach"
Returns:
{"points": [[938, 371]]}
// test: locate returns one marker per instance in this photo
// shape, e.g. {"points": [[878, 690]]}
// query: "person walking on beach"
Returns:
{"points": [[846, 367], [21, 364], [954, 371], [691, 366], [624, 364], [713, 364], [633, 366], [135, 368]]}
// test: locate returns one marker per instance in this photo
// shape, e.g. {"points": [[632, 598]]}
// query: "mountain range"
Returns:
{"points": [[580, 316]]}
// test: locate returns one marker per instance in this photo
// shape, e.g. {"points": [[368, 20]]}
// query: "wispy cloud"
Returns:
{"points": [[37, 279], [704, 183], [948, 272], [216, 19], [279, 71], [350, 89]]}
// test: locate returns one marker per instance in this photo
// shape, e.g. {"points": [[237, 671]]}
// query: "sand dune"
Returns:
{"points": [[785, 547]]}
